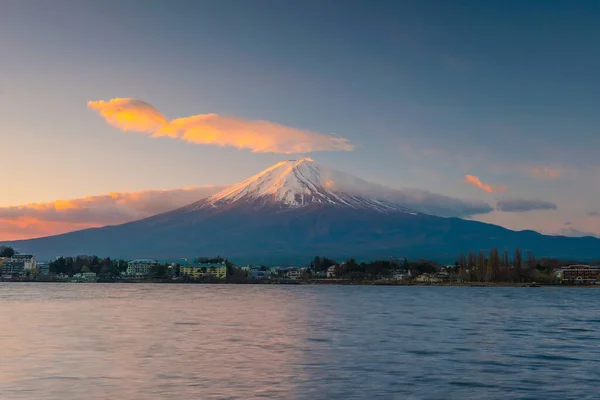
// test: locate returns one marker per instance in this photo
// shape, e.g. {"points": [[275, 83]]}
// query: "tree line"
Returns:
{"points": [[499, 267]]}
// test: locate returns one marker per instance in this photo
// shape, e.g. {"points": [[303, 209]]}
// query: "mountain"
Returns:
{"points": [[298, 184], [572, 232], [298, 209]]}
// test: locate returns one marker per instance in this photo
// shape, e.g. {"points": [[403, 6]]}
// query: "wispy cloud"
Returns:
{"points": [[593, 214], [523, 205], [545, 172], [43, 219], [213, 129], [438, 204], [475, 181]]}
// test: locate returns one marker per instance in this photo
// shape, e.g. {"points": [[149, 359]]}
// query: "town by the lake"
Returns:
{"points": [[474, 269]]}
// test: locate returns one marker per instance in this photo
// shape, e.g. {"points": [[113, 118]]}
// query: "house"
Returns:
{"points": [[201, 270], [400, 275], [331, 271], [140, 267], [443, 275]]}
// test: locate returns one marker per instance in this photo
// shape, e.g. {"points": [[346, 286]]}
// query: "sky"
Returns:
{"points": [[113, 110]]}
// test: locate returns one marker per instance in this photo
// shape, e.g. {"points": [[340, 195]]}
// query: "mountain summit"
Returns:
{"points": [[296, 184]]}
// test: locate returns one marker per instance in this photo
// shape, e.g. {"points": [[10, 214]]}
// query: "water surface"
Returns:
{"points": [[134, 341]]}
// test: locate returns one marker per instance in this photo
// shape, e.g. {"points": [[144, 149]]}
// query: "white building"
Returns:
{"points": [[85, 277], [140, 267], [428, 278], [293, 274], [400, 275], [28, 260], [331, 271]]}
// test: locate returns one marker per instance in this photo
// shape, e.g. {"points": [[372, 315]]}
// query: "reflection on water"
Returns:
{"points": [[126, 341]]}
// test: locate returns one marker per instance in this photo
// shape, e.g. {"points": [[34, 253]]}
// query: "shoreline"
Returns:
{"points": [[316, 283]]}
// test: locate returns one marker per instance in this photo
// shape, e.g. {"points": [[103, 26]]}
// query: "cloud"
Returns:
{"points": [[213, 129], [475, 181], [523, 205], [593, 214], [546, 173], [438, 204], [414, 199], [61, 216]]}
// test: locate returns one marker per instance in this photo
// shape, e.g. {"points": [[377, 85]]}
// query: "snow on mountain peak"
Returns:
{"points": [[299, 183]]}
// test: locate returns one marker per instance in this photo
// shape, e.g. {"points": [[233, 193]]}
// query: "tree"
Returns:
{"points": [[321, 264], [480, 267], [7, 251], [471, 266], [518, 262], [158, 271], [493, 266], [462, 265], [85, 269]]}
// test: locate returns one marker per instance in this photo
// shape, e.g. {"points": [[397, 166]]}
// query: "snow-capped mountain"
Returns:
{"points": [[298, 209], [300, 183], [572, 232]]}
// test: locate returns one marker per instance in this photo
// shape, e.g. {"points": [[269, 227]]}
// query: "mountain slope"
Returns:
{"points": [[297, 183], [294, 211]]}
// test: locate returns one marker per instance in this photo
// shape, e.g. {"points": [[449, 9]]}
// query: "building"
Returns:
{"points": [[85, 277], [400, 275], [428, 278], [140, 267], [43, 268], [218, 271], [331, 271], [579, 274], [256, 273], [13, 268], [27, 259], [293, 274]]}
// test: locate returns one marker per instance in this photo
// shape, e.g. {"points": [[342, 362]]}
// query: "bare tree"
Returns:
{"points": [[518, 262], [480, 267]]}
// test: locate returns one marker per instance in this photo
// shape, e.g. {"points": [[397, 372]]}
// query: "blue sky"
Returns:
{"points": [[428, 91]]}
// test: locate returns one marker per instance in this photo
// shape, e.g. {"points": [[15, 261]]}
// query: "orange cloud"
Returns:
{"points": [[61, 216], [213, 129], [546, 172], [475, 181]]}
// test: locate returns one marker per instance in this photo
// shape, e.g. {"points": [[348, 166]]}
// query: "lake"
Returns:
{"points": [[138, 341]]}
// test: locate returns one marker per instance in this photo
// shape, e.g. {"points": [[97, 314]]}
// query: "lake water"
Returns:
{"points": [[134, 341]]}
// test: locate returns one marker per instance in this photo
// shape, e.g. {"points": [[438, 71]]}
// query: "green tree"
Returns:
{"points": [[7, 251]]}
